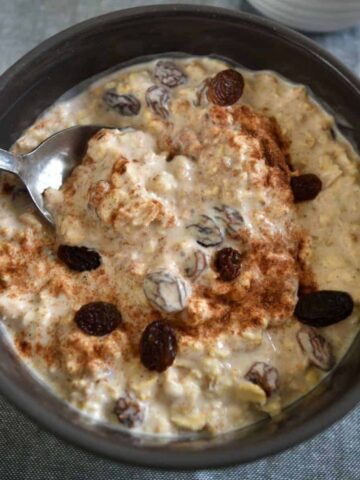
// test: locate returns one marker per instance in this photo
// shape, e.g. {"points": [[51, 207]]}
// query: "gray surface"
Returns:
{"points": [[29, 453]]}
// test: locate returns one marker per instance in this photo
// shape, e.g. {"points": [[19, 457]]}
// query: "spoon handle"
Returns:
{"points": [[9, 162]]}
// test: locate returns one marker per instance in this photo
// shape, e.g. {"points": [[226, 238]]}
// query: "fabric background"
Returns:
{"points": [[29, 453]]}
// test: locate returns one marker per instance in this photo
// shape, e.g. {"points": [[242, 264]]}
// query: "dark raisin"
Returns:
{"points": [[127, 105], [228, 263], [80, 259], [128, 412], [317, 348], [206, 232], [305, 187], [158, 346], [158, 99], [226, 88], [265, 376], [169, 74], [323, 308], [98, 318]]}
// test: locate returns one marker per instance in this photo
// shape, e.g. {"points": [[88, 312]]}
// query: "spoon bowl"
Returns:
{"points": [[50, 163]]}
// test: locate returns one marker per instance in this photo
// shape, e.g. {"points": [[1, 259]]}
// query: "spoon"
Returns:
{"points": [[50, 163]]}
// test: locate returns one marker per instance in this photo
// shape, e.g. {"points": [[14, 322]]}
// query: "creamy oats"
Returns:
{"points": [[186, 219]]}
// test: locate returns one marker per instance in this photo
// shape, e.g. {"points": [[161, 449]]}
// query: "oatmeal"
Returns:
{"points": [[204, 270]]}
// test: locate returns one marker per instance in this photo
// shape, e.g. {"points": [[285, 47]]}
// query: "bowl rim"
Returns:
{"points": [[214, 457]]}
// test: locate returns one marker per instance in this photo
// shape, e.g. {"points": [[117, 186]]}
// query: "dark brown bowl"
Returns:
{"points": [[91, 47]]}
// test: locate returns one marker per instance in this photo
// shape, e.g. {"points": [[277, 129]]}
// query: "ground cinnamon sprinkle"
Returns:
{"points": [[264, 290], [231, 308]]}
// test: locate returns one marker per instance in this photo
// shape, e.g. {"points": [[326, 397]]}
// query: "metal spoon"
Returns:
{"points": [[50, 163]]}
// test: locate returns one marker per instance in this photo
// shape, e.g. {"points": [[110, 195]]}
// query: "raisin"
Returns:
{"points": [[317, 348], [226, 88], [98, 318], [79, 259], [323, 308], [166, 291], [265, 376], [195, 264], [305, 187], [231, 218], [127, 105], [158, 99], [169, 74], [228, 263], [206, 232], [158, 346], [128, 412]]}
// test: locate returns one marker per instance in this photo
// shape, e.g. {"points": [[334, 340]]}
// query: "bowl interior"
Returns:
{"points": [[41, 77]]}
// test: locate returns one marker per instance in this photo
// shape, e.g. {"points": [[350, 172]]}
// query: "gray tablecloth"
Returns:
{"points": [[29, 453]]}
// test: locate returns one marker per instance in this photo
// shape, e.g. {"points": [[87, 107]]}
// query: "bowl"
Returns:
{"points": [[311, 15], [91, 47]]}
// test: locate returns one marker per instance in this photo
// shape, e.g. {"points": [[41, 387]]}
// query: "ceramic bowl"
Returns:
{"points": [[311, 15], [91, 48]]}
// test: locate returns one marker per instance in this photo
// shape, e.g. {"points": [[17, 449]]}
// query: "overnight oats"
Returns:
{"points": [[204, 270]]}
